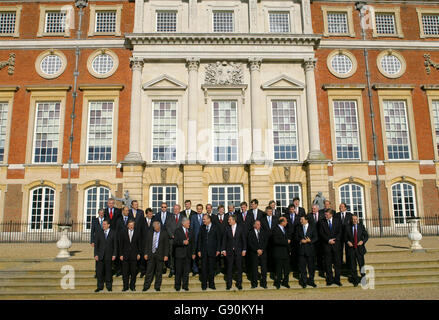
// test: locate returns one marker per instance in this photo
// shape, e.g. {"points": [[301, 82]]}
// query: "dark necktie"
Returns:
{"points": [[187, 235], [330, 225], [100, 222], [257, 235], [125, 220], [221, 219], [355, 237]]}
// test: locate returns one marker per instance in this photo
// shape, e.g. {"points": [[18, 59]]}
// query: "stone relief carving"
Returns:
{"points": [[10, 63], [429, 63], [224, 73]]}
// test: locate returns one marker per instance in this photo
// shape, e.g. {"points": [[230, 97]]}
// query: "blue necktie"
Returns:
{"points": [[304, 231], [330, 225]]}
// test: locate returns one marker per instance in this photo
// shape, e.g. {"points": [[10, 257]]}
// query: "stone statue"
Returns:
{"points": [[126, 200], [319, 200], [224, 73]]}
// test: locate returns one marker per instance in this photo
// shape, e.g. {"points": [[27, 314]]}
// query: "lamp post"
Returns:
{"points": [[64, 243]]}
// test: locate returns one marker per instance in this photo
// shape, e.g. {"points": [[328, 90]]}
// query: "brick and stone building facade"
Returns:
{"points": [[218, 101]]}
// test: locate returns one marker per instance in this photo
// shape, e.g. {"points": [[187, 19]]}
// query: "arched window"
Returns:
{"points": [[95, 198], [42, 207], [404, 201], [353, 195]]}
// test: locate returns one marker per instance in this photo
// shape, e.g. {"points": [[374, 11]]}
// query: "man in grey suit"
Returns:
{"points": [[171, 225]]}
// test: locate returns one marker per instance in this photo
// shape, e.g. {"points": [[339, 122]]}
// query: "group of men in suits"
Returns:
{"points": [[130, 240]]}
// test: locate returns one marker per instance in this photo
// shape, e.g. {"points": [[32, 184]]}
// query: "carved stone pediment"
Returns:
{"points": [[283, 82], [224, 73], [164, 82]]}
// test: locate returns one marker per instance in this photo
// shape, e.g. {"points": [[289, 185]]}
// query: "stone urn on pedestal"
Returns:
{"points": [[64, 243], [414, 235]]}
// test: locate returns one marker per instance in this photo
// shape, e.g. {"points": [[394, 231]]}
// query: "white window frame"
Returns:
{"points": [[233, 20], [17, 10], [164, 186], [93, 17], [88, 130], [397, 18], [60, 140], [41, 229], [225, 185], [289, 201], [237, 131], [404, 216], [350, 204], [86, 204], [426, 11], [167, 11], [8, 98], [287, 12], [96, 22], [338, 9], [70, 16], [296, 106]]}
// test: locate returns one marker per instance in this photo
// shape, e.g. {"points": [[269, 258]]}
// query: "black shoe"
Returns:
{"points": [[133, 289], [186, 289], [145, 289], [228, 288], [110, 290], [254, 286], [329, 283], [286, 285], [264, 286], [212, 287], [302, 284], [239, 287], [171, 273], [142, 274], [157, 289], [97, 290], [204, 289], [163, 270], [124, 289], [338, 283], [277, 286], [312, 284], [355, 284], [118, 274], [194, 274], [95, 276], [177, 289]]}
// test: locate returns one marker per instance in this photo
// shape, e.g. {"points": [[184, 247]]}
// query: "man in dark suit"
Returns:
{"points": [[105, 251], [297, 208], [245, 218], [293, 220], [147, 227], [268, 223], [306, 236], [277, 212], [356, 237], [330, 236], [208, 248], [196, 221], [172, 225], [221, 219], [112, 214], [326, 205], [184, 254], [231, 210], [96, 226], [281, 248], [130, 249], [188, 212], [163, 215], [121, 226], [345, 217], [255, 211], [234, 246], [257, 250], [315, 217], [209, 209], [137, 215], [156, 254]]}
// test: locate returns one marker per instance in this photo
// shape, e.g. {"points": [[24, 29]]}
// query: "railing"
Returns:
{"points": [[11, 231]]}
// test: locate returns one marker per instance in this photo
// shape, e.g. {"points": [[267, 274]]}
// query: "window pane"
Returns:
{"points": [[404, 206], [55, 22], [285, 193], [7, 22], [225, 131], [3, 126], [397, 132], [391, 64], [279, 22], [164, 132], [103, 63], [385, 23], [51, 64], [96, 198], [46, 139], [338, 22], [284, 130], [435, 107], [341, 63], [223, 21], [346, 130], [100, 131], [225, 195], [42, 208], [166, 21], [352, 195], [430, 23], [105, 21], [161, 194]]}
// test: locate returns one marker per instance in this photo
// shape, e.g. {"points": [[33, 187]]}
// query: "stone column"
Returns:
{"points": [[135, 121], [306, 17], [193, 16], [312, 112], [138, 16], [257, 112], [191, 141]]}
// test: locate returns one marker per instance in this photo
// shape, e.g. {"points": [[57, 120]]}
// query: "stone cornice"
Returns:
{"points": [[230, 39]]}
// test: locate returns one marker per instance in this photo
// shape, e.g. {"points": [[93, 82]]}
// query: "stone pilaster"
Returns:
{"points": [[191, 141], [253, 15], [138, 16], [306, 17], [132, 180], [260, 183], [317, 179], [257, 111], [135, 120], [312, 112]]}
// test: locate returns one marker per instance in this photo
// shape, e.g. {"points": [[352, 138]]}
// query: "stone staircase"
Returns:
{"points": [[41, 278]]}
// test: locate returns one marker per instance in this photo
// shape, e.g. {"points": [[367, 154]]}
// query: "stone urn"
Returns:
{"points": [[414, 235], [64, 243]]}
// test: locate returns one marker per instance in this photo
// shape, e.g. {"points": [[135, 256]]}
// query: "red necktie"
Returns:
{"points": [[221, 220], [111, 214], [176, 218], [187, 235], [355, 237]]}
